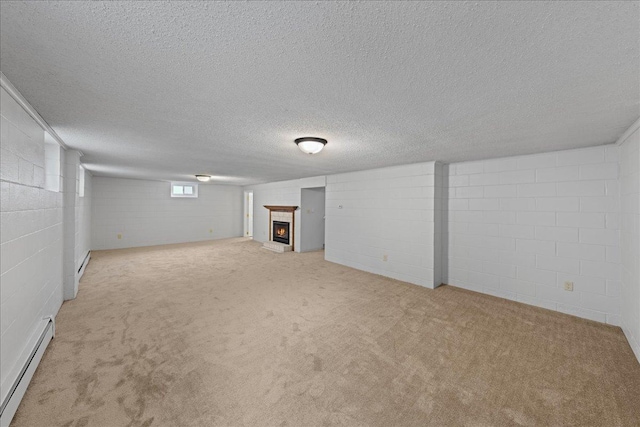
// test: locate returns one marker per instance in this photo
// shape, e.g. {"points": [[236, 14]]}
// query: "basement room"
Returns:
{"points": [[328, 213]]}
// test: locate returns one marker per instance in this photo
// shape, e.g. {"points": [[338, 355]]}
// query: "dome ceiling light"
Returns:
{"points": [[203, 178], [310, 144]]}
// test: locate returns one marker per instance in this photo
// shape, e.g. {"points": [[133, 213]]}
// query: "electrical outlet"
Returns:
{"points": [[119, 236], [385, 257], [568, 286]]}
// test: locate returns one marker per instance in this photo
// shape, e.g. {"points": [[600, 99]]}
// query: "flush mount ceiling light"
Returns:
{"points": [[311, 145], [203, 178]]}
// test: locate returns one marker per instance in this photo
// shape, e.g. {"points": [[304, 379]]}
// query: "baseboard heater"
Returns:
{"points": [[15, 393], [85, 261]]}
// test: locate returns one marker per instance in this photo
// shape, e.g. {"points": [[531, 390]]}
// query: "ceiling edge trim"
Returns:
{"points": [[634, 127], [17, 96]]}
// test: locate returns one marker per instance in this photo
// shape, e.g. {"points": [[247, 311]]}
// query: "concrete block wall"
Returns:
{"points": [[520, 227], [143, 213], [31, 239], [441, 176], [630, 238], [70, 165], [382, 221], [83, 220], [52, 153]]}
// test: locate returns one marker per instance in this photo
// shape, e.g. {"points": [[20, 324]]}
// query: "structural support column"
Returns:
{"points": [[70, 199], [440, 241]]}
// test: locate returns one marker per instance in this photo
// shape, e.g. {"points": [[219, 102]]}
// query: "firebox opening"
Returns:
{"points": [[281, 232]]}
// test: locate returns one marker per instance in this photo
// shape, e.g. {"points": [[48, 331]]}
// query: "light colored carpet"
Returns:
{"points": [[226, 333]]}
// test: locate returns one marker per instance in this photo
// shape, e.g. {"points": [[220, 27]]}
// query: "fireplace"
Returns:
{"points": [[282, 228], [281, 232]]}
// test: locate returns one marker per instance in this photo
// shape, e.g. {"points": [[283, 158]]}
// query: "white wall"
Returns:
{"points": [[630, 238], [384, 212], [31, 240], [515, 227], [83, 221], [440, 211], [144, 213], [283, 193], [71, 161], [520, 227], [248, 214], [52, 163], [312, 213]]}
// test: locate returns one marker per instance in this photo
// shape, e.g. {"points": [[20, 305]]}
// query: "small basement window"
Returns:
{"points": [[183, 189]]}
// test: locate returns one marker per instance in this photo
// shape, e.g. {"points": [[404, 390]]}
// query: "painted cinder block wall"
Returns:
{"points": [[70, 162], [83, 220], [630, 235], [520, 227], [45, 227], [397, 199], [382, 221], [517, 227], [143, 213], [31, 251]]}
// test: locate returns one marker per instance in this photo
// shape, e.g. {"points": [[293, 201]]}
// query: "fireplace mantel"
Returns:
{"points": [[281, 208]]}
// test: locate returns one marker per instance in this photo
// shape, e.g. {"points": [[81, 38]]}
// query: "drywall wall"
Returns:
{"points": [[283, 193], [382, 221], [143, 213], [31, 240], [519, 227], [312, 217], [630, 237]]}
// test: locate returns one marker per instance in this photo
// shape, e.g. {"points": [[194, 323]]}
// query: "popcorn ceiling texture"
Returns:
{"points": [[167, 90]]}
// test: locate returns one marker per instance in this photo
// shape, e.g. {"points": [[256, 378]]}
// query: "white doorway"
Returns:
{"points": [[312, 214], [248, 214]]}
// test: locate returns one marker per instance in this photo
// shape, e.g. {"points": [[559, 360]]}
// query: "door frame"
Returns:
{"points": [[247, 217]]}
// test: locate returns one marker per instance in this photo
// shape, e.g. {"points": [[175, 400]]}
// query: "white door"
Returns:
{"points": [[248, 214]]}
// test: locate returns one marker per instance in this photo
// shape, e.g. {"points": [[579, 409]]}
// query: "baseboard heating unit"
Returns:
{"points": [[83, 266], [11, 399]]}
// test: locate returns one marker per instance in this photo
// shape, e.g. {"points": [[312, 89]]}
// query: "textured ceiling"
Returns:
{"points": [[166, 90]]}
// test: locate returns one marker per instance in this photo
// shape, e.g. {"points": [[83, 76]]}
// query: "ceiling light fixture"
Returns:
{"points": [[311, 145], [203, 178]]}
